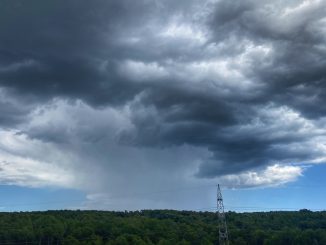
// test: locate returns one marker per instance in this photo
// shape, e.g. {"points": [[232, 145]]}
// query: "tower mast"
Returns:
{"points": [[222, 228]]}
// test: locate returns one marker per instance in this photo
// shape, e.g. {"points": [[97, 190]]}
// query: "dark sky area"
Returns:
{"points": [[112, 97]]}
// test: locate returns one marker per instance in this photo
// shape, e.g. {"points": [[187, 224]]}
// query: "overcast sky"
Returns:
{"points": [[114, 99]]}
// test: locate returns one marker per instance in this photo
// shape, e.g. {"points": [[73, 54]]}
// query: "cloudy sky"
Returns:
{"points": [[149, 104]]}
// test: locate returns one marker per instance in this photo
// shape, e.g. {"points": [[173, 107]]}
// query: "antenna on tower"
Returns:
{"points": [[222, 228]]}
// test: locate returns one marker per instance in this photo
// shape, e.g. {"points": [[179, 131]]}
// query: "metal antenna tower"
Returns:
{"points": [[222, 229]]}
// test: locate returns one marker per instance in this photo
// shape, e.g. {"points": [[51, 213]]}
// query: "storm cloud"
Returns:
{"points": [[184, 91]]}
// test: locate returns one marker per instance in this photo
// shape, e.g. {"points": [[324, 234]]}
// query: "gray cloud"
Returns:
{"points": [[293, 73], [240, 83]]}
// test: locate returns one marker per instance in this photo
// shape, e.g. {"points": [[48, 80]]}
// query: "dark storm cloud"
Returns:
{"points": [[71, 48], [11, 115], [147, 56], [295, 74], [56, 49]]}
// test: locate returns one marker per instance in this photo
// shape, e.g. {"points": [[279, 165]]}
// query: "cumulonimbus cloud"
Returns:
{"points": [[150, 79]]}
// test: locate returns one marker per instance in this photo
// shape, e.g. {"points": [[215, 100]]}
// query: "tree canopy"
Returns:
{"points": [[161, 227]]}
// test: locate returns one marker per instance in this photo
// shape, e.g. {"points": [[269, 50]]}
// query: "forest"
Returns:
{"points": [[162, 227]]}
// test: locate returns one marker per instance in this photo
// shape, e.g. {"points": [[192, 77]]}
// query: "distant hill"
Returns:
{"points": [[162, 227]]}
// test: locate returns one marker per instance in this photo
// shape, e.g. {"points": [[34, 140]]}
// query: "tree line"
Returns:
{"points": [[161, 227]]}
